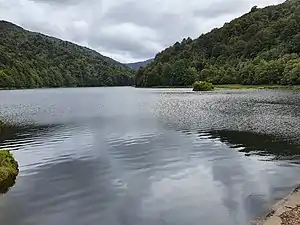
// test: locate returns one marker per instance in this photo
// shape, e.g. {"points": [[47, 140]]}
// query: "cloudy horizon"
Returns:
{"points": [[125, 30]]}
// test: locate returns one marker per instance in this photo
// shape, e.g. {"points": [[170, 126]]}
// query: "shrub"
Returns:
{"points": [[203, 86], [8, 170]]}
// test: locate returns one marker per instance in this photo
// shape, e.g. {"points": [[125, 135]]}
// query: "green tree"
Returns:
{"points": [[6, 80]]}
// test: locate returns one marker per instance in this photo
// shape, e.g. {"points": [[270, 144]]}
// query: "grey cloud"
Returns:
{"points": [[137, 13], [142, 46], [169, 26]]}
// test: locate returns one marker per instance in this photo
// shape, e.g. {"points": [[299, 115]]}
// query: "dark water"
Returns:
{"points": [[119, 156]]}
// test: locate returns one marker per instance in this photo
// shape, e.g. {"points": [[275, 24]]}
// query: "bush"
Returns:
{"points": [[203, 86], [8, 170]]}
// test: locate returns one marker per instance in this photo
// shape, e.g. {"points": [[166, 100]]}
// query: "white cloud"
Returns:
{"points": [[126, 30]]}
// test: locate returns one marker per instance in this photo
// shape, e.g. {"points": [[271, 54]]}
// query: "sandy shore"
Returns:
{"points": [[285, 212]]}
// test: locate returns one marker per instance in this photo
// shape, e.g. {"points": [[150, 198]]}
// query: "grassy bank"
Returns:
{"points": [[240, 86], [8, 170]]}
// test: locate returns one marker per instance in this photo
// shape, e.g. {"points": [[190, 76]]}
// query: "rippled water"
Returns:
{"points": [[120, 156]]}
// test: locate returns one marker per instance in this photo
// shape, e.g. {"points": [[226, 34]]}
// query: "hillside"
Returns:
{"points": [[32, 60], [261, 47], [137, 65]]}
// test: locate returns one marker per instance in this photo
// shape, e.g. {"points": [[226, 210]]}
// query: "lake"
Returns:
{"points": [[119, 156]]}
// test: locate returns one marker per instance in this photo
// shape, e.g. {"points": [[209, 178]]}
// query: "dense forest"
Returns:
{"points": [[32, 60], [260, 47]]}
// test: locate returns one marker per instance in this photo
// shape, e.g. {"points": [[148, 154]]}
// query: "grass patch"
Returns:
{"points": [[8, 170]]}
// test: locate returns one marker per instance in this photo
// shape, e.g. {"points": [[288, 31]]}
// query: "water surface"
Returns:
{"points": [[120, 156]]}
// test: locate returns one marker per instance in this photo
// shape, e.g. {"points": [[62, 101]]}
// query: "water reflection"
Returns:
{"points": [[261, 144]]}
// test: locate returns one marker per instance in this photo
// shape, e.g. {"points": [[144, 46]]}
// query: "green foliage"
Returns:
{"points": [[291, 74], [261, 47], [33, 60], [8, 170], [203, 86]]}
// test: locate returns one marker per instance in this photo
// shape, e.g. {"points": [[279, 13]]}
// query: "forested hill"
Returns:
{"points": [[261, 47], [31, 60], [137, 65]]}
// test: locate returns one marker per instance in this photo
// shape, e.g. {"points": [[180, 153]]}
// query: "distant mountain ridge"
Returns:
{"points": [[260, 47], [137, 65], [32, 60]]}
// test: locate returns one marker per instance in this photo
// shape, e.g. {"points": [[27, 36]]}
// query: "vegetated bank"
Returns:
{"points": [[34, 60], [261, 47], [8, 168]]}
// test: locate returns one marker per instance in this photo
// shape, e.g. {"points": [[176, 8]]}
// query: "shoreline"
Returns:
{"points": [[283, 212], [217, 87], [235, 87], [42, 88]]}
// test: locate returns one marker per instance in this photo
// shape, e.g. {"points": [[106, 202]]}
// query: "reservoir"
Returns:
{"points": [[126, 156]]}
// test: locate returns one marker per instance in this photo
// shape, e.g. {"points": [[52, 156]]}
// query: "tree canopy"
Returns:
{"points": [[260, 47], [32, 60]]}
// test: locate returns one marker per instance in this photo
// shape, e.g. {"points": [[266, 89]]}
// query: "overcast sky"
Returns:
{"points": [[126, 30]]}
